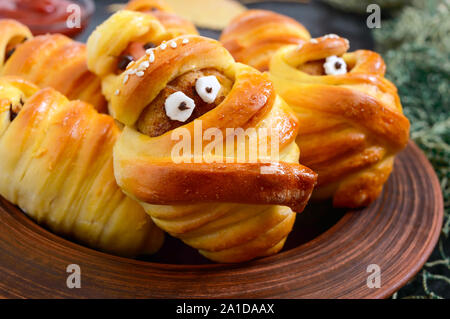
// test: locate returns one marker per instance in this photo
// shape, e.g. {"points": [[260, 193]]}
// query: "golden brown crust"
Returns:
{"points": [[254, 36], [285, 184], [55, 61], [351, 125]]}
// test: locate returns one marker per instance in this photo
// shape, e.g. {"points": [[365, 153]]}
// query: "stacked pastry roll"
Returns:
{"points": [[351, 123], [51, 60], [57, 166], [231, 210]]}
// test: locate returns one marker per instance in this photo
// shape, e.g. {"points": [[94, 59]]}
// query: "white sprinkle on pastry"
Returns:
{"points": [[207, 88], [335, 66], [117, 92], [185, 41], [151, 57], [173, 44], [163, 46], [144, 65], [314, 41], [179, 106], [331, 36]]}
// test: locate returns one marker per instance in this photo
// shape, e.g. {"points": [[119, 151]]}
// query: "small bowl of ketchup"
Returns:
{"points": [[69, 17]]}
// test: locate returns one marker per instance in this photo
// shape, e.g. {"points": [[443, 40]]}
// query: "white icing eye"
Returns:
{"points": [[179, 106], [207, 88], [335, 65]]}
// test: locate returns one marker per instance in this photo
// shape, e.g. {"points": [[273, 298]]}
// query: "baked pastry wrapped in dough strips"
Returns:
{"points": [[120, 40], [49, 60], [231, 210], [254, 36], [351, 119], [57, 166]]}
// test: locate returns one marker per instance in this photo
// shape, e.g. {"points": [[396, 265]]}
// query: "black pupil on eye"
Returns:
{"points": [[208, 89], [183, 106], [9, 53], [338, 65], [149, 45], [123, 62]]}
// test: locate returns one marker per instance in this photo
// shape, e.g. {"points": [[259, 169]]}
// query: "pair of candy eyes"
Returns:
{"points": [[179, 106]]}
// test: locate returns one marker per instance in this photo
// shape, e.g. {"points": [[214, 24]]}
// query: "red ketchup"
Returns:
{"points": [[43, 16]]}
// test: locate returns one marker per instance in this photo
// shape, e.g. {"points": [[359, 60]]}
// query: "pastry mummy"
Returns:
{"points": [[254, 36], [230, 212], [351, 119], [57, 166], [49, 61]]}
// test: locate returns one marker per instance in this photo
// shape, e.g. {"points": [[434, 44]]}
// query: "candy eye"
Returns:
{"points": [[207, 88], [335, 65], [179, 106]]}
